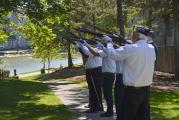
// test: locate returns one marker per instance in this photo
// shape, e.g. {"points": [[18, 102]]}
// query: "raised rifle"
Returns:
{"points": [[81, 39], [116, 38], [91, 42]]}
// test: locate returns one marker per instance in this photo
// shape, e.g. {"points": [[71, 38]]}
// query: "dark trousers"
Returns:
{"points": [[135, 104], [94, 80], [108, 80], [118, 93]]}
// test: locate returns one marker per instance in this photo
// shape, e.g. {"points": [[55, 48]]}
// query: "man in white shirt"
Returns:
{"points": [[108, 76], [119, 87], [94, 80], [139, 59]]}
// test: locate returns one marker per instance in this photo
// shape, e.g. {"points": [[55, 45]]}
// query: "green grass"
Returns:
{"points": [[164, 105], [28, 99]]}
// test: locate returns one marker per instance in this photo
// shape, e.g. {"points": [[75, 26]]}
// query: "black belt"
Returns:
{"points": [[132, 87]]}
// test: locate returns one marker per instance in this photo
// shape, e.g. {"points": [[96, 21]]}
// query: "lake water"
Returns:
{"points": [[27, 63]]}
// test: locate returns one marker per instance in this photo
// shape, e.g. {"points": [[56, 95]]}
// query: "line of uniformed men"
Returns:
{"points": [[130, 66]]}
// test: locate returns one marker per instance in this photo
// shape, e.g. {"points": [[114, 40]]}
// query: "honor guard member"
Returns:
{"points": [[94, 80], [108, 76], [85, 57], [139, 59], [119, 87]]}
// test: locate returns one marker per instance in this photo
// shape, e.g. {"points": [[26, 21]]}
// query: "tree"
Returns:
{"points": [[120, 17], [42, 40]]}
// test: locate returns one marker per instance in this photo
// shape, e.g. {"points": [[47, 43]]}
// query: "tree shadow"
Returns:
{"points": [[20, 101]]}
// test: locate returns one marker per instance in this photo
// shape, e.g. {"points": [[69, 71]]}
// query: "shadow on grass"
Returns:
{"points": [[165, 105], [63, 74], [23, 100]]}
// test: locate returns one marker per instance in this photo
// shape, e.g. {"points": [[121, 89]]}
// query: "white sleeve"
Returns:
{"points": [[119, 54], [86, 51], [102, 53]]}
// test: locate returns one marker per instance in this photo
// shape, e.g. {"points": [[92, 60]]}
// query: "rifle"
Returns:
{"points": [[91, 42], [115, 38]]}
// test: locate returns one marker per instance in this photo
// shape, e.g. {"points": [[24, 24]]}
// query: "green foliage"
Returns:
{"points": [[49, 21], [42, 39], [3, 35]]}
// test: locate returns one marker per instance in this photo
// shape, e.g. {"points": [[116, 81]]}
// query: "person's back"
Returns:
{"points": [[141, 64], [139, 61]]}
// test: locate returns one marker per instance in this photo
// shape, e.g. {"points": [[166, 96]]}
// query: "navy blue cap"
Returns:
{"points": [[145, 31]]}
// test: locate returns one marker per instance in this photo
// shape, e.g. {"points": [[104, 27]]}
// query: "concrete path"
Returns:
{"points": [[75, 98]]}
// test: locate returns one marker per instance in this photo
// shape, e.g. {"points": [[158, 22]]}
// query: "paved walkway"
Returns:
{"points": [[75, 98]]}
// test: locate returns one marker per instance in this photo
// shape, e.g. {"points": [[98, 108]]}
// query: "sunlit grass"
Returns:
{"points": [[29, 99], [165, 105]]}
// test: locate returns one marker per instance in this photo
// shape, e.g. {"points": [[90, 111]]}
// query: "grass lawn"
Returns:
{"points": [[28, 99], [164, 105]]}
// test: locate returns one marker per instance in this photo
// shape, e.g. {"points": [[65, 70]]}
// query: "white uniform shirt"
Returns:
{"points": [[119, 67], [108, 64], [139, 61], [120, 64], [92, 61]]}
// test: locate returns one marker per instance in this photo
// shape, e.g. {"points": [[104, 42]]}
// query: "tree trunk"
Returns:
{"points": [[166, 22], [48, 65], [94, 23], [176, 36], [120, 17], [70, 62], [149, 23]]}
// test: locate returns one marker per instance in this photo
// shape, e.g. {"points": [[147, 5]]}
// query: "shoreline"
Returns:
{"points": [[15, 53]]}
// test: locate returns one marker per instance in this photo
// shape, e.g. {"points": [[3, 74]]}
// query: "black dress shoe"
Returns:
{"points": [[106, 114], [91, 111]]}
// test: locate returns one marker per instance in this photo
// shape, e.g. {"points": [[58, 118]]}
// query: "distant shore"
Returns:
{"points": [[15, 53]]}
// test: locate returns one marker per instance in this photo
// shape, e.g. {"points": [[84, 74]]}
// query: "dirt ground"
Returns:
{"points": [[165, 82]]}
